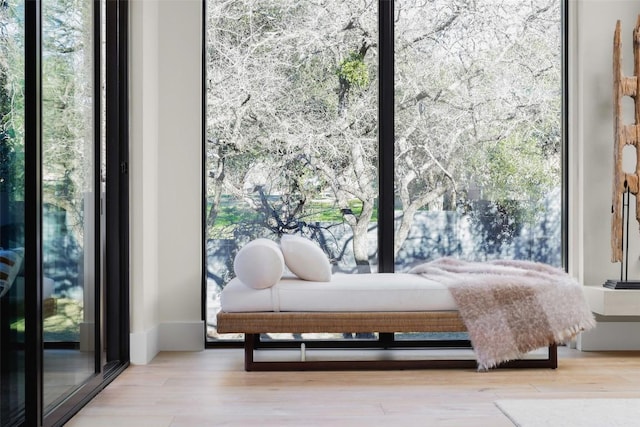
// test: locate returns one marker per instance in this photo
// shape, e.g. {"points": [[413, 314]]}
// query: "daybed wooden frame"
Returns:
{"points": [[252, 324]]}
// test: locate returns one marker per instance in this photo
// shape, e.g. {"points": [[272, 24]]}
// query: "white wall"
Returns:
{"points": [[144, 131], [166, 177], [166, 167], [180, 175], [591, 155], [592, 132]]}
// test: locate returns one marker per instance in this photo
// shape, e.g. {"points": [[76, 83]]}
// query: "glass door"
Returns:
{"points": [[68, 197], [63, 111], [12, 243]]}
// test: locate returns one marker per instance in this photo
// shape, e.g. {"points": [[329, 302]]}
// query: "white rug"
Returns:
{"points": [[571, 412]]}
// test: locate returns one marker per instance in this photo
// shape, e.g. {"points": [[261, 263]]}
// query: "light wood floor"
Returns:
{"points": [[210, 388]]}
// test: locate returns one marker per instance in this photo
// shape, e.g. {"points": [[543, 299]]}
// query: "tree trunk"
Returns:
{"points": [[360, 236], [410, 207]]}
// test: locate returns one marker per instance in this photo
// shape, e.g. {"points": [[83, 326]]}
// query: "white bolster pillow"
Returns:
{"points": [[305, 259], [259, 264]]}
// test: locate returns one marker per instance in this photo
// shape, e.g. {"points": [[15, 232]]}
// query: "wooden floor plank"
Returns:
{"points": [[211, 388]]}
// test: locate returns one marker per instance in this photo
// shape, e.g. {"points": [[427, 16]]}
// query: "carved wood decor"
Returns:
{"points": [[624, 135]]}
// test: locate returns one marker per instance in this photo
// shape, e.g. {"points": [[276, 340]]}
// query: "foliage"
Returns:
{"points": [[354, 70], [67, 128], [477, 89], [11, 103], [515, 168], [67, 109]]}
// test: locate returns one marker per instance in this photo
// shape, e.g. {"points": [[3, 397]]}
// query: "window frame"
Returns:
{"points": [[386, 139], [114, 302]]}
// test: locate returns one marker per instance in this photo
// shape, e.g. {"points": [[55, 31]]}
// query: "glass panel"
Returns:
{"points": [[291, 131], [12, 169], [478, 130], [68, 197]]}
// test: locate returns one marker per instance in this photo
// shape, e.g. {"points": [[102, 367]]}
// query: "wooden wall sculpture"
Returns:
{"points": [[624, 134]]}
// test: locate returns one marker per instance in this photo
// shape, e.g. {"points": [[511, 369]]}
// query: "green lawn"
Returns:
{"points": [[63, 325], [232, 212]]}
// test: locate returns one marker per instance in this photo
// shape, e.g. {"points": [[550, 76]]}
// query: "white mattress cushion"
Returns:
{"points": [[345, 292]]}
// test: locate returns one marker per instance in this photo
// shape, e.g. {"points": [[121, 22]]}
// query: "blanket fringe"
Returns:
{"points": [[560, 338], [572, 332]]}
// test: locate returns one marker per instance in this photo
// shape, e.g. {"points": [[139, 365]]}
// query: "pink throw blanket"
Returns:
{"points": [[512, 307]]}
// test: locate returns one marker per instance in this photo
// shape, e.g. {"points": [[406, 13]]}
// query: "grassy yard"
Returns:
{"points": [[62, 325], [232, 212]]}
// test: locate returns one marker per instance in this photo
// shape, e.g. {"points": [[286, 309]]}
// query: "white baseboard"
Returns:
{"points": [[144, 346], [610, 335], [168, 336], [182, 336]]}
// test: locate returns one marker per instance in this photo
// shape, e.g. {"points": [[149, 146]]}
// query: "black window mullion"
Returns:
{"points": [[564, 227], [33, 214], [386, 137], [123, 182], [117, 191], [97, 174], [203, 102]]}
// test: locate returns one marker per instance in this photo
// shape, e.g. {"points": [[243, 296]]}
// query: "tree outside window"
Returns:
{"points": [[292, 129]]}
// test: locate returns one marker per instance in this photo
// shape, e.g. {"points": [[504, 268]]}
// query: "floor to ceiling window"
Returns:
{"points": [[12, 169], [478, 124], [68, 195], [461, 157], [62, 315]]}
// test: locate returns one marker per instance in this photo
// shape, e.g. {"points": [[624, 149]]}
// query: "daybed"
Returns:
{"points": [[508, 309]]}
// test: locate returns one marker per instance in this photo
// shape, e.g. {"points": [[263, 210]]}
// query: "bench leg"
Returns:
{"points": [[550, 362], [553, 356], [251, 341]]}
